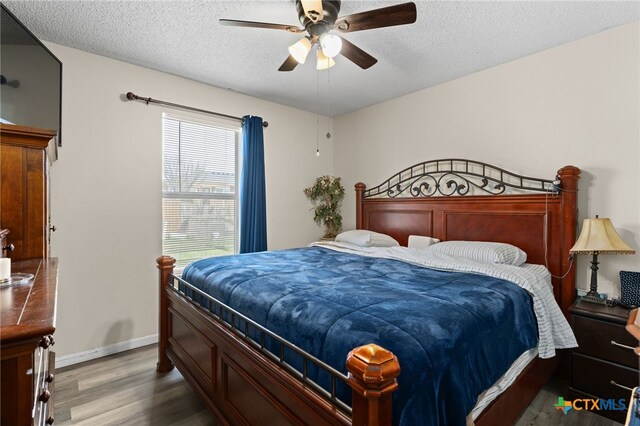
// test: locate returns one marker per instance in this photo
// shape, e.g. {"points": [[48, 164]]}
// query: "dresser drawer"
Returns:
{"points": [[595, 338], [594, 377], [591, 378]]}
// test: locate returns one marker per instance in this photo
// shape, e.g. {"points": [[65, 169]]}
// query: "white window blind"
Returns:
{"points": [[199, 199]]}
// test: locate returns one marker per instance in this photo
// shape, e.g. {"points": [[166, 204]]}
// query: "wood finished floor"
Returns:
{"points": [[124, 389]]}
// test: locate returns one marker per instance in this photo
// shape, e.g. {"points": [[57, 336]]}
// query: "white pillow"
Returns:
{"points": [[481, 251], [365, 238], [420, 241]]}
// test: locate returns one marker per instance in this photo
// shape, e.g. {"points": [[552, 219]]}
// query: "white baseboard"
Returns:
{"points": [[63, 361]]}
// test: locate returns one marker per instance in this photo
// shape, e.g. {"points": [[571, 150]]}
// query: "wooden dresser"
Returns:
{"points": [[604, 365], [24, 189], [28, 313], [28, 321]]}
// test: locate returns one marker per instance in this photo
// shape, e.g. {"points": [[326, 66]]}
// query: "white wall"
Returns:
{"points": [[106, 191], [574, 104]]}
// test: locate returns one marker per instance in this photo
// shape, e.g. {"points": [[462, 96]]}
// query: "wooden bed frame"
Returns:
{"points": [[241, 384]]}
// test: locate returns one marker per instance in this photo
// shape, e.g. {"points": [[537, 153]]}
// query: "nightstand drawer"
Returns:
{"points": [[595, 337], [594, 377]]}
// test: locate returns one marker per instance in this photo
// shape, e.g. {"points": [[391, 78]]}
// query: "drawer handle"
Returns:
{"points": [[614, 343], [45, 396], [49, 378], [44, 343], [621, 386], [50, 420]]}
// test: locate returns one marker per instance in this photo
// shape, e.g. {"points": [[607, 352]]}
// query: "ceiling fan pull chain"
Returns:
{"points": [[317, 113], [328, 103]]}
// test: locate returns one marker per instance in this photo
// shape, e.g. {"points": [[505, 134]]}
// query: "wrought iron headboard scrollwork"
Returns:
{"points": [[457, 177]]}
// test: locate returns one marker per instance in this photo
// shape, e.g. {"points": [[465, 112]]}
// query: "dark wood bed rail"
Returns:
{"points": [[372, 370]]}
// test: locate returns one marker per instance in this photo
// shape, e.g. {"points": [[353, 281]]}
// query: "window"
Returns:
{"points": [[199, 189]]}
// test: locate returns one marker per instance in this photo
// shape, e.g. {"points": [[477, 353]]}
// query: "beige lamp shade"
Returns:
{"points": [[324, 62], [300, 50], [598, 236]]}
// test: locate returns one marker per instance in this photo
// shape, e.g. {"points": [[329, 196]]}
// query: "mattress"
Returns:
{"points": [[455, 333]]}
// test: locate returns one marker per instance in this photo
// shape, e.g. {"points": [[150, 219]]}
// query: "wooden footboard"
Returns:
{"points": [[242, 385]]}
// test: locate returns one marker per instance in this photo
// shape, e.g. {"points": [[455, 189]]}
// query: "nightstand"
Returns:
{"points": [[604, 365]]}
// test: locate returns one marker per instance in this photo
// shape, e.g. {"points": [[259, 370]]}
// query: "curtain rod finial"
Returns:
{"points": [[265, 124], [131, 96]]}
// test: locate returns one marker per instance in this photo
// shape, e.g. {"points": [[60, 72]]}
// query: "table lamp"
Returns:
{"points": [[598, 236]]}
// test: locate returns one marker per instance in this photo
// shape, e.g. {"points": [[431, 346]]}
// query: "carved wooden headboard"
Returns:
{"points": [[441, 199]]}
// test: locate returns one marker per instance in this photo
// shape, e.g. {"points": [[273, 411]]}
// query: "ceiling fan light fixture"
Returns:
{"points": [[324, 62], [300, 50], [331, 44], [313, 9]]}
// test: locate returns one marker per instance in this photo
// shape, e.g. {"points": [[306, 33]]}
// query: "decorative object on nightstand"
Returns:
{"points": [[598, 236], [630, 288]]}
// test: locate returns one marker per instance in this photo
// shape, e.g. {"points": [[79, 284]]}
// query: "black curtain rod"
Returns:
{"points": [[133, 97]]}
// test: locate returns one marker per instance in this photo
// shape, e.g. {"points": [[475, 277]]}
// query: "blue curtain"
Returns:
{"points": [[253, 205]]}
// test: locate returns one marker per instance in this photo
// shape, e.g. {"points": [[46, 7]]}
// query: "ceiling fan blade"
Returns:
{"points": [[357, 55], [401, 14], [289, 64], [267, 25]]}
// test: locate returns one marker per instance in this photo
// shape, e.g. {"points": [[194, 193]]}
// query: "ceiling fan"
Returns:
{"points": [[319, 17]]}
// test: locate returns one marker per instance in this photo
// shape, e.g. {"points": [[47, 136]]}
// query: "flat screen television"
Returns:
{"points": [[30, 78]]}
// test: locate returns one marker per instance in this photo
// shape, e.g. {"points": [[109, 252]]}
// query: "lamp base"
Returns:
{"points": [[592, 297]]}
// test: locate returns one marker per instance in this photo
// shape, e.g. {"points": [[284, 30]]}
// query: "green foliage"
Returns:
{"points": [[326, 195]]}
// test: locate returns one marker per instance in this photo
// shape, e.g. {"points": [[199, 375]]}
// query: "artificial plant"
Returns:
{"points": [[326, 195]]}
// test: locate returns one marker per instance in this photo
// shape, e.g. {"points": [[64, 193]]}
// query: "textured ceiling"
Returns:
{"points": [[448, 40]]}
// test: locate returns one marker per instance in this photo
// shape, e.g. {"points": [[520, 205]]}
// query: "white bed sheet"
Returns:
{"points": [[503, 383]]}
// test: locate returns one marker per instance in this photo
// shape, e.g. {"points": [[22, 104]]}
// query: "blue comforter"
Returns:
{"points": [[454, 333]]}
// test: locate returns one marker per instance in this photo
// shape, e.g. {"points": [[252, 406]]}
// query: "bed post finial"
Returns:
{"points": [[165, 265], [372, 377], [569, 176], [360, 188]]}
